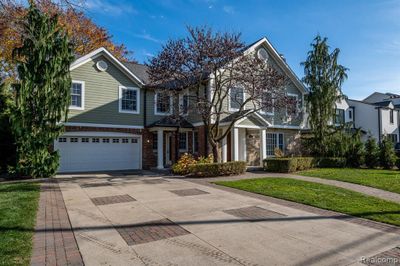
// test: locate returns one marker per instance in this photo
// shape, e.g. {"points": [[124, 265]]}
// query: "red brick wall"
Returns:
{"points": [[149, 155], [202, 141]]}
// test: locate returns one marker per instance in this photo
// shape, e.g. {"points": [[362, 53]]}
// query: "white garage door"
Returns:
{"points": [[96, 153]]}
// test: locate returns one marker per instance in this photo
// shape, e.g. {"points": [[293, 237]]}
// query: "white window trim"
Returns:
{"points": [[277, 141], [297, 101], [273, 108], [187, 141], [120, 88], [155, 105], [229, 99], [391, 115], [181, 103], [71, 107]]}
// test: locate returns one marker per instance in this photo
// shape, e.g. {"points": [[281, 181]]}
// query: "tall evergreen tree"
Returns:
{"points": [[324, 78], [371, 153], [43, 93], [387, 155]]}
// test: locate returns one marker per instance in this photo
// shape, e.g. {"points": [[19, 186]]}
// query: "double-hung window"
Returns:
{"points": [[236, 98], [292, 103], [184, 104], [163, 103], [393, 138], [77, 95], [267, 103], [183, 141], [339, 116], [129, 100], [273, 140]]}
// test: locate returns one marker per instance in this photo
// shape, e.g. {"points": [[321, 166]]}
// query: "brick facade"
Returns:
{"points": [[149, 159]]}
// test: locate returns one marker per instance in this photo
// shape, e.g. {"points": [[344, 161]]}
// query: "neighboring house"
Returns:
{"points": [[118, 122], [377, 115]]}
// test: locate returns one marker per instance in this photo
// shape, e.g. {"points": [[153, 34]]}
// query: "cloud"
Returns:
{"points": [[391, 48], [107, 7], [229, 10], [146, 36]]}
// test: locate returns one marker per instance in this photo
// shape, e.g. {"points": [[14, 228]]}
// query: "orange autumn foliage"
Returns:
{"points": [[84, 34]]}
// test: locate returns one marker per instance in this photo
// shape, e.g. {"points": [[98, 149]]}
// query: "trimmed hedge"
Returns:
{"points": [[331, 162], [293, 164], [217, 169]]}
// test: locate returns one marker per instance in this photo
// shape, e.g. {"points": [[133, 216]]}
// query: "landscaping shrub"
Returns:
{"points": [[387, 155], [331, 162], [288, 164], [304, 163], [217, 169], [182, 166], [371, 153], [280, 165], [398, 163], [355, 150]]}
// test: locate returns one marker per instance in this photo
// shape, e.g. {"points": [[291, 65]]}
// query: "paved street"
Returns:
{"points": [[152, 220]]}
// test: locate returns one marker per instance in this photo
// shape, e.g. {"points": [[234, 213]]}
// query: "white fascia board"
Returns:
{"points": [[280, 61], [86, 58]]}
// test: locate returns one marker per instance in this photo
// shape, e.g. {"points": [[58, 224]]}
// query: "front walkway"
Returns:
{"points": [[139, 220], [386, 195]]}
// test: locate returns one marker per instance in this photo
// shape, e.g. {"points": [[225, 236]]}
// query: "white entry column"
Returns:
{"points": [[224, 150], [235, 144], [263, 148], [160, 152]]}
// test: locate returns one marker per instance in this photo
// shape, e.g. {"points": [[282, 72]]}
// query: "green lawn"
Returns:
{"points": [[18, 206], [384, 179], [322, 196]]}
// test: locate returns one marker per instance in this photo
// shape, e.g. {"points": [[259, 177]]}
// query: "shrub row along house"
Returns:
{"points": [[118, 121]]}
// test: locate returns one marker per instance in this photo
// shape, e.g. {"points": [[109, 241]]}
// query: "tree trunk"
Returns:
{"points": [[215, 152]]}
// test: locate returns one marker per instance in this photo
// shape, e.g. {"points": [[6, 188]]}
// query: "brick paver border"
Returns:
{"points": [[321, 212], [151, 231], [54, 242]]}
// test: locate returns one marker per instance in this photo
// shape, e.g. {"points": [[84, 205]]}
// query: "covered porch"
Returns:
{"points": [[246, 140]]}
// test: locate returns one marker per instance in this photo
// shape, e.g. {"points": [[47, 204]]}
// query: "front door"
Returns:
{"points": [[168, 141]]}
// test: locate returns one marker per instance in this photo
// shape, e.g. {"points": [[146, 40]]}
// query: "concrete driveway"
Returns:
{"points": [[151, 220]]}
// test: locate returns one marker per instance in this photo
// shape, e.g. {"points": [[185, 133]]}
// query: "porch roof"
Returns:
{"points": [[172, 122], [250, 118]]}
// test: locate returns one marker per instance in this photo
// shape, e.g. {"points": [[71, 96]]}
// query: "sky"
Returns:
{"points": [[367, 32]]}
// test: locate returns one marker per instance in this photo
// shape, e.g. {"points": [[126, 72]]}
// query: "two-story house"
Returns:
{"points": [[377, 115], [117, 121]]}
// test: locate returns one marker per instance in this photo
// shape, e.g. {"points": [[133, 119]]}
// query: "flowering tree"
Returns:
{"points": [[211, 65]]}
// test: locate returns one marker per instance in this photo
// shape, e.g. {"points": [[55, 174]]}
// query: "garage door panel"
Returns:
{"points": [[92, 156]]}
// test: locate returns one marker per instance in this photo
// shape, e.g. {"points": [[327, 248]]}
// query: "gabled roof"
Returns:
{"points": [[279, 60], [103, 51], [139, 70], [233, 116]]}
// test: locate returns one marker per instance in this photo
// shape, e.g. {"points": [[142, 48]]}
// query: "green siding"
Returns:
{"points": [[101, 95]]}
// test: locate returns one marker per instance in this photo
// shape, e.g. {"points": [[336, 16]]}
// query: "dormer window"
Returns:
{"points": [[236, 98], [163, 103]]}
